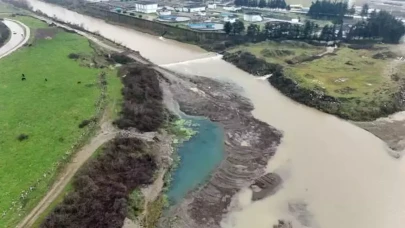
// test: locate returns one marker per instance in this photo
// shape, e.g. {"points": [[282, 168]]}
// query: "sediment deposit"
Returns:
{"points": [[249, 144]]}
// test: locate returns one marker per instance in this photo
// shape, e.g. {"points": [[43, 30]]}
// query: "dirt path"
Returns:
{"points": [[104, 135]]}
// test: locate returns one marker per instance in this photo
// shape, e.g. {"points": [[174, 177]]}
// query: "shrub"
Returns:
{"points": [[249, 63], [361, 46], [22, 137], [132, 14], [102, 187], [142, 107], [84, 123], [73, 56], [119, 58]]}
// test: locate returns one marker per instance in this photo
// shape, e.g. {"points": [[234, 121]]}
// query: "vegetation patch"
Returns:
{"points": [[154, 211], [136, 204], [46, 33], [119, 58], [142, 107], [48, 106], [103, 186], [279, 52], [249, 63]]}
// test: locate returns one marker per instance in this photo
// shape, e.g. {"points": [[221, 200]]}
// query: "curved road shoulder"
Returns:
{"points": [[20, 34]]}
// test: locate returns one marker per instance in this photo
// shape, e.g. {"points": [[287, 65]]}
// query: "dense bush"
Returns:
{"points": [[361, 46], [102, 187], [86, 122], [73, 56], [22, 137], [249, 63], [142, 107], [119, 58]]}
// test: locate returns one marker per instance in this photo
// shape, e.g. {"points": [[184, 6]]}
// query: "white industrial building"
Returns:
{"points": [[164, 12], [194, 8], [232, 8], [229, 19], [212, 6], [252, 17], [146, 7]]}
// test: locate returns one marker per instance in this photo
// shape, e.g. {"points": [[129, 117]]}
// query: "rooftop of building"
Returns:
{"points": [[253, 13], [146, 2], [194, 6]]}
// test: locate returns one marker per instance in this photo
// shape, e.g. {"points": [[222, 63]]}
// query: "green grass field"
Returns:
{"points": [[47, 111], [278, 52], [350, 68]]}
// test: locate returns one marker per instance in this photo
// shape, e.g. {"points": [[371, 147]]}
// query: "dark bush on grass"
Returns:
{"points": [[250, 63], [84, 123], [361, 46], [73, 56], [120, 58], [22, 137], [103, 185], [142, 107]]}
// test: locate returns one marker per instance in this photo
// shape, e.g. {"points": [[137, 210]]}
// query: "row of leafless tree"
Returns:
{"points": [[102, 186], [142, 107]]}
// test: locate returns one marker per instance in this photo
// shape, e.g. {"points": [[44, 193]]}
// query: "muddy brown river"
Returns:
{"points": [[336, 175]]}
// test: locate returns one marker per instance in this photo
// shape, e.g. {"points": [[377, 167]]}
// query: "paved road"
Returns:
{"points": [[20, 34]]}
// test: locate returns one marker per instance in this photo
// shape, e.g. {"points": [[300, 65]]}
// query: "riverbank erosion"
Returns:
{"points": [[338, 165], [352, 95], [366, 96], [249, 144]]}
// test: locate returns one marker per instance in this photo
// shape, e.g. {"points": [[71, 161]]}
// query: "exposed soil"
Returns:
{"points": [[249, 144], [45, 33]]}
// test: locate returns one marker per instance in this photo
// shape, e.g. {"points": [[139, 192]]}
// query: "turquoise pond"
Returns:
{"points": [[198, 158]]}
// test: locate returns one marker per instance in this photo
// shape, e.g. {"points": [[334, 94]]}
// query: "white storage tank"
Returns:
{"points": [[252, 17]]}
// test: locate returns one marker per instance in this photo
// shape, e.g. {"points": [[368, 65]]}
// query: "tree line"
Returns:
{"points": [[273, 4], [328, 9], [284, 30], [379, 26]]}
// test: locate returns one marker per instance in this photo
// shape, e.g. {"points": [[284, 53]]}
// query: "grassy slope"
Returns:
{"points": [[49, 112], [365, 75], [297, 48]]}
